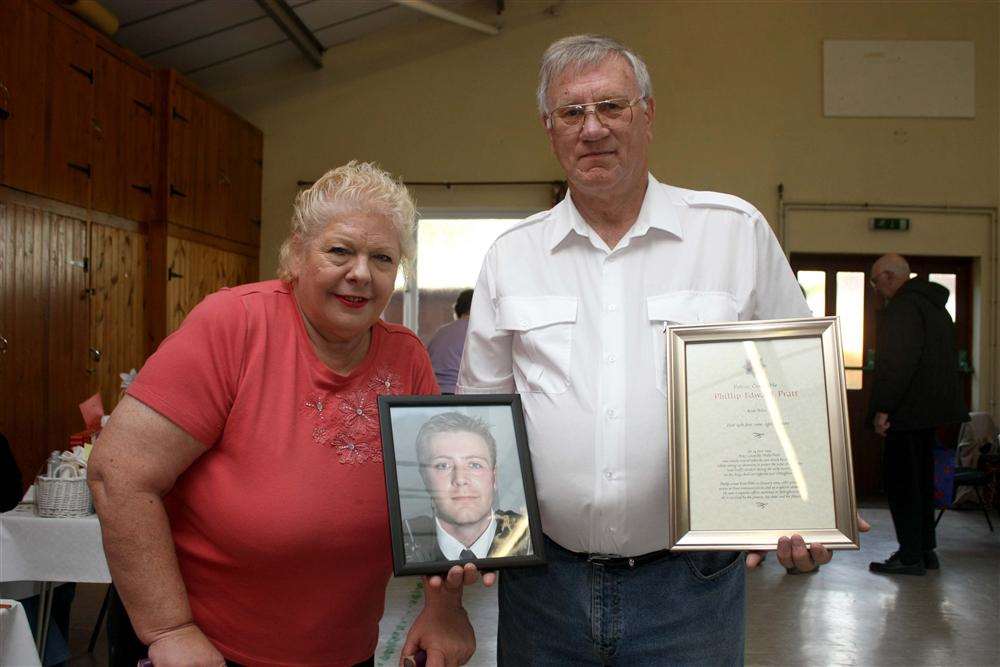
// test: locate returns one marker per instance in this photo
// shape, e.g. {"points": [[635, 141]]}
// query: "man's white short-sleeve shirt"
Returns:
{"points": [[576, 328]]}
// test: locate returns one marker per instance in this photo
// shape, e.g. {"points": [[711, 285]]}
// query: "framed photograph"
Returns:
{"points": [[458, 475], [759, 439]]}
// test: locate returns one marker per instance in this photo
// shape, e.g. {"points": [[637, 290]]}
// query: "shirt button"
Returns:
{"points": [[612, 307], [608, 475], [611, 413], [612, 358]]}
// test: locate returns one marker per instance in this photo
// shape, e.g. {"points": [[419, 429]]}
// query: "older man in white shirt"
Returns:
{"points": [[569, 312]]}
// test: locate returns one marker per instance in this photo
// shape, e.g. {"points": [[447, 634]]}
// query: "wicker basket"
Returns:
{"points": [[56, 497]]}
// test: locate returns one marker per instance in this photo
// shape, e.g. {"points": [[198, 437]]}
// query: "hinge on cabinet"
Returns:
{"points": [[81, 263], [89, 73], [171, 274], [177, 115], [148, 108]]}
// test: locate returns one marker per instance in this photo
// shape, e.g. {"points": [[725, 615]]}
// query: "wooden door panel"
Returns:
{"points": [[139, 136], [71, 95], [106, 148], [212, 187], [118, 260], [202, 270], [181, 151], [70, 371], [26, 241], [23, 86]]}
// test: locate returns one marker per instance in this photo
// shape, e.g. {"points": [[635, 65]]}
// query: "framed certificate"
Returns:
{"points": [[459, 483], [759, 441]]}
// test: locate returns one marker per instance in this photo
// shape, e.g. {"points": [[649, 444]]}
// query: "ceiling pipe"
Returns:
{"points": [[297, 31], [448, 15]]}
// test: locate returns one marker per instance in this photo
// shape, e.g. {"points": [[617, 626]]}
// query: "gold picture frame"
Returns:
{"points": [[750, 457]]}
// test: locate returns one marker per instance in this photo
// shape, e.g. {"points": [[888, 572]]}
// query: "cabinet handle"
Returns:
{"points": [[95, 354], [3, 345], [147, 189], [96, 124], [176, 115], [89, 73], [82, 168], [148, 108], [81, 264], [174, 192]]}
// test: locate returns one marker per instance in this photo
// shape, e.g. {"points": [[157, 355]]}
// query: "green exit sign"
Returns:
{"points": [[890, 224]]}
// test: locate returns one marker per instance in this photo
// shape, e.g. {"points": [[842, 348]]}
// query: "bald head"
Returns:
{"points": [[889, 272]]}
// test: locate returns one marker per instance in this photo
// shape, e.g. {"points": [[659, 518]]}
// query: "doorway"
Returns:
{"points": [[838, 285]]}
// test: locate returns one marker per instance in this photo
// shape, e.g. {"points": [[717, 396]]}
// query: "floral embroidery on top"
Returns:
{"points": [[350, 451], [360, 413], [386, 382], [317, 405]]}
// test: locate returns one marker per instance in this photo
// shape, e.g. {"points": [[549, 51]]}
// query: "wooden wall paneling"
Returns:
{"points": [[200, 270], [70, 97], [181, 155], [71, 373], [26, 240], [118, 262], [23, 86], [139, 136], [107, 146]]}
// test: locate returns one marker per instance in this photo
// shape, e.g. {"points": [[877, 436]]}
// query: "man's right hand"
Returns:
{"points": [[881, 423], [186, 645]]}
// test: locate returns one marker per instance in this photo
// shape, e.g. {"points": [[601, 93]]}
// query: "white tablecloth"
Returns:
{"points": [[40, 549], [17, 646]]}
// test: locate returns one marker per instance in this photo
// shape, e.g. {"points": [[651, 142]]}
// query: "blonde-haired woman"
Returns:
{"points": [[239, 482]]}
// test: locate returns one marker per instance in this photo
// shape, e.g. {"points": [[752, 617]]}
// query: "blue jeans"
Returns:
{"points": [[682, 609]]}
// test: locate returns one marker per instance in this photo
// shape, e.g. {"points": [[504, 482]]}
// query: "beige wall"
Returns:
{"points": [[739, 109]]}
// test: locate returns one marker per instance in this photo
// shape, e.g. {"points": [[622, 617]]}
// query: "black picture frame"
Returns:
{"points": [[416, 550]]}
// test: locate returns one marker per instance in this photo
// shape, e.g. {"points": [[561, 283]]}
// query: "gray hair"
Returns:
{"points": [[359, 186], [584, 51], [455, 422]]}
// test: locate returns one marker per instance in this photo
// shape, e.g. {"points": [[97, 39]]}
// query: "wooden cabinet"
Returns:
{"points": [[213, 165], [23, 86], [44, 324]]}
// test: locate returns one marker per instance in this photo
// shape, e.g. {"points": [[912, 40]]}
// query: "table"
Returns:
{"points": [[16, 645], [34, 548]]}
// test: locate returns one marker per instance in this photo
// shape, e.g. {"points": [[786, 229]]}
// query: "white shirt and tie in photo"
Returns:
{"points": [[582, 327]]}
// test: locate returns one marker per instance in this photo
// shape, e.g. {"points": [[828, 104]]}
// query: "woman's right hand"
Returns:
{"points": [[185, 646]]}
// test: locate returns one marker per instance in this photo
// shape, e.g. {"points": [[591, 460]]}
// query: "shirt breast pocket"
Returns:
{"points": [[542, 330], [688, 307]]}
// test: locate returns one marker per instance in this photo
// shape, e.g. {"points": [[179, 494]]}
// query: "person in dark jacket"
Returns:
{"points": [[916, 389]]}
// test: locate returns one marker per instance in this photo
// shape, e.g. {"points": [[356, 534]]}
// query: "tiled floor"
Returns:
{"points": [[842, 616]]}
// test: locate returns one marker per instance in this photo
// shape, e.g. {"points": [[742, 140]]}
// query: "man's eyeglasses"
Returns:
{"points": [[611, 113]]}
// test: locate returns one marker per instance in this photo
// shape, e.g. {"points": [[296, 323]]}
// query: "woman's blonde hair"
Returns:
{"points": [[356, 186]]}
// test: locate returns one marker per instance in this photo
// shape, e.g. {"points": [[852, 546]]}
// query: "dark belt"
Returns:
{"points": [[630, 562]]}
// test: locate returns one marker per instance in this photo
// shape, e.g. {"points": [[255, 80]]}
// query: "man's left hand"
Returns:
{"points": [[793, 552]]}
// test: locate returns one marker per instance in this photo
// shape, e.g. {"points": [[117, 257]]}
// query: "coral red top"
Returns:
{"points": [[281, 527]]}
